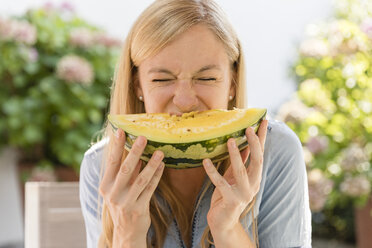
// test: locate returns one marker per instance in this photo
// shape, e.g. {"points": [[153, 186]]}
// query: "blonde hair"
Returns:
{"points": [[158, 25]]}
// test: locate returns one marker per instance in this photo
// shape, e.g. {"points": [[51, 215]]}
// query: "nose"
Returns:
{"points": [[185, 97]]}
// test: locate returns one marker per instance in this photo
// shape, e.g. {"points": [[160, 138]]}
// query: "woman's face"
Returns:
{"points": [[192, 73]]}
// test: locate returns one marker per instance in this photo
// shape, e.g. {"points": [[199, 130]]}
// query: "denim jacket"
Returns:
{"points": [[281, 208]]}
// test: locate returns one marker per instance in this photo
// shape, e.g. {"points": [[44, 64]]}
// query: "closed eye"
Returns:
{"points": [[207, 79], [161, 80], [165, 80]]}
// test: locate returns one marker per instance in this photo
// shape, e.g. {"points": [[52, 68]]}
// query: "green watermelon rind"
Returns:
{"points": [[194, 159]]}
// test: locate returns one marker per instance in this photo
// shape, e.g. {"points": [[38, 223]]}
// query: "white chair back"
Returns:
{"points": [[53, 217]]}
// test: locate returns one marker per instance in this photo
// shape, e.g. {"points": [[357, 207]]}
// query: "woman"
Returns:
{"points": [[182, 56]]}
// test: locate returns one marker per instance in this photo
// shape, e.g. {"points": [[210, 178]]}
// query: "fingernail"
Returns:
{"points": [[161, 166], [233, 143], [207, 162], [141, 140], [157, 155]]}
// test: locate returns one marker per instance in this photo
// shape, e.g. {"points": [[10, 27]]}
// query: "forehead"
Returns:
{"points": [[193, 49]]}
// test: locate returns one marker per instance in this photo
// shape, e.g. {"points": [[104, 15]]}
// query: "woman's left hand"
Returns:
{"points": [[237, 187]]}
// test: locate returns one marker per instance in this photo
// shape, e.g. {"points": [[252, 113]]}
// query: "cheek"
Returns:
{"points": [[157, 98], [213, 96]]}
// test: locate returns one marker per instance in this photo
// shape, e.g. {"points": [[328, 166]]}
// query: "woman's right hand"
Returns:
{"points": [[127, 192]]}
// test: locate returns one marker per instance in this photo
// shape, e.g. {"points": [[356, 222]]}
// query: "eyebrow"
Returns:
{"points": [[163, 70]]}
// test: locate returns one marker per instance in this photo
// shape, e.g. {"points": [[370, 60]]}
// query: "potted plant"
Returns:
{"points": [[331, 114], [56, 72]]}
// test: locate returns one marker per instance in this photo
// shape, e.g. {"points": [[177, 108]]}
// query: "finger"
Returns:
{"points": [[228, 175], [145, 176], [145, 196], [128, 166], [245, 154], [221, 184], [238, 168], [262, 131], [113, 160], [136, 172], [256, 159]]}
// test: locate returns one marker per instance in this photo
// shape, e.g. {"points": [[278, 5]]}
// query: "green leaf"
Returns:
{"points": [[14, 122], [95, 116], [13, 106], [33, 134], [31, 68]]}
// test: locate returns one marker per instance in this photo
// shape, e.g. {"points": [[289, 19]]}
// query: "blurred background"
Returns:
{"points": [[308, 63]]}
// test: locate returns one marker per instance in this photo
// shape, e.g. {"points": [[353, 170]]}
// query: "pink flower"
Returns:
{"points": [[19, 31], [353, 157], [317, 144], [33, 55], [293, 111], [343, 39], [81, 37], [107, 41], [49, 6], [84, 37], [319, 189], [5, 29], [72, 68], [67, 7], [24, 32], [366, 27], [356, 186], [314, 48]]}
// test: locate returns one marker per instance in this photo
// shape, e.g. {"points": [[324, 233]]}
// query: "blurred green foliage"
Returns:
{"points": [[48, 108], [332, 115]]}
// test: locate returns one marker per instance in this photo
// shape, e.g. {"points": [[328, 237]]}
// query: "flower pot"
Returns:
{"points": [[363, 225], [66, 174]]}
